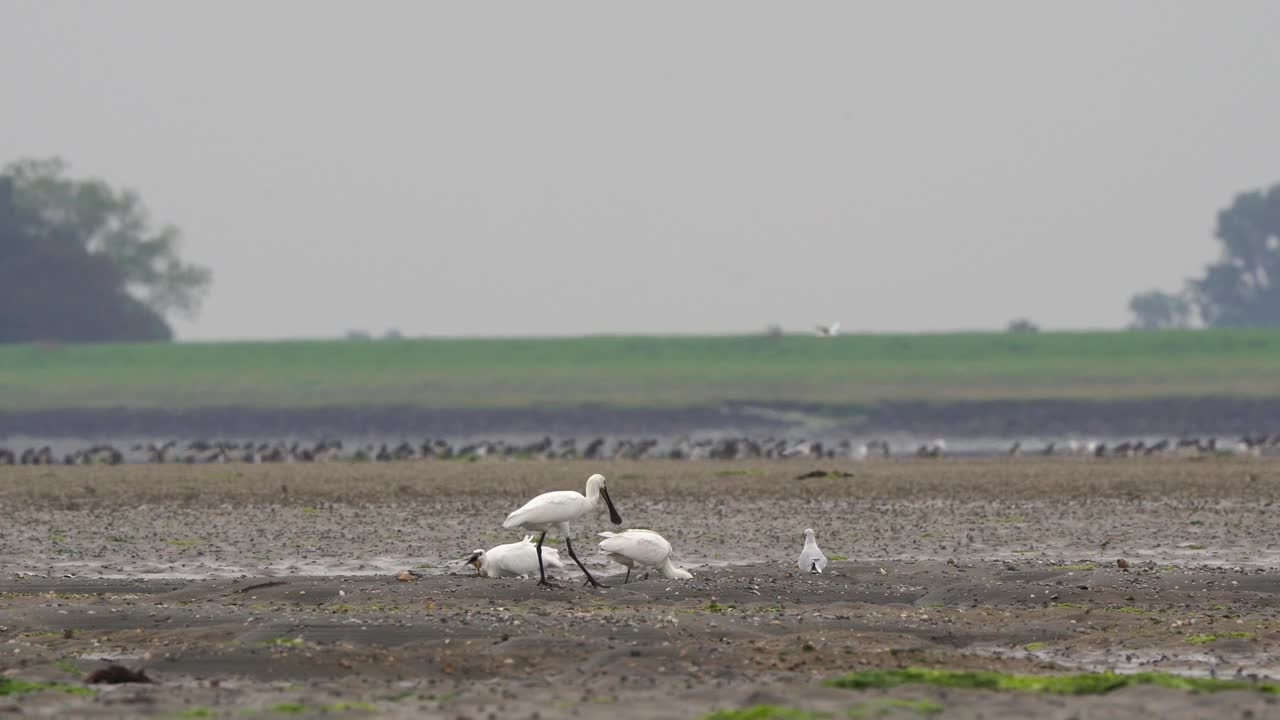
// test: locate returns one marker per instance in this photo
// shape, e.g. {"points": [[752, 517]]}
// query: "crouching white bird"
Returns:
{"points": [[811, 558], [555, 510], [516, 559], [641, 548]]}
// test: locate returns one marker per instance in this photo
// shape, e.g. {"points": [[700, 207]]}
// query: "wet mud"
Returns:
{"points": [[272, 589]]}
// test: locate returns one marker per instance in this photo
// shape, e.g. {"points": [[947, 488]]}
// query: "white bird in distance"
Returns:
{"points": [[811, 558]]}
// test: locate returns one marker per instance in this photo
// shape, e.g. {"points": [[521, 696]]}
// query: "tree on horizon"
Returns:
{"points": [[81, 261], [1241, 289]]}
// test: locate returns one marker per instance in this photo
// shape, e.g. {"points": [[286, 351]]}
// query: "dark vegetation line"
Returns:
{"points": [[1021, 419]]}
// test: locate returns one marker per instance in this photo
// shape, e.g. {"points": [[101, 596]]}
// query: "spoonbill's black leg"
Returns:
{"points": [[541, 571], [628, 578], [586, 572]]}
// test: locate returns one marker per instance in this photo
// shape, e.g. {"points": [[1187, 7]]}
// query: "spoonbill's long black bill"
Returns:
{"points": [[614, 517]]}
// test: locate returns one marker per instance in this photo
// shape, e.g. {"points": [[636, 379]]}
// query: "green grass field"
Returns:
{"points": [[849, 371]]}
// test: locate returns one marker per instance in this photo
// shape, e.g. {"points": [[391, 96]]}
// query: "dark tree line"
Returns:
{"points": [[1241, 289], [80, 262]]}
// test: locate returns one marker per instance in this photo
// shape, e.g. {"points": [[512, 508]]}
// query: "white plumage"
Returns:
{"points": [[641, 548], [811, 558], [517, 559], [553, 511]]}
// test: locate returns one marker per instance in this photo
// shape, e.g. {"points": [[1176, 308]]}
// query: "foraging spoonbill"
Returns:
{"points": [[555, 510], [643, 548], [811, 558], [515, 559]]}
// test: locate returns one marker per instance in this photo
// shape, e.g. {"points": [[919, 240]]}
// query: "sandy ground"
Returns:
{"points": [[253, 588]]}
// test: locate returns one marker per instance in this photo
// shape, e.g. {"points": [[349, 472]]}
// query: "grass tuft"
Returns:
{"points": [[1074, 684]]}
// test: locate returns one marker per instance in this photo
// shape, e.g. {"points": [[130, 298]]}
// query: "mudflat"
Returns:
{"points": [[273, 589]]}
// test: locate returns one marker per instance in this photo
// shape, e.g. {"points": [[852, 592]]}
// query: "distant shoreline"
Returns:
{"points": [[970, 418]]}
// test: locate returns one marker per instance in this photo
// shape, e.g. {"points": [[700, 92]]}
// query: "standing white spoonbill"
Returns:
{"points": [[811, 558], [555, 510], [515, 559], [643, 548]]}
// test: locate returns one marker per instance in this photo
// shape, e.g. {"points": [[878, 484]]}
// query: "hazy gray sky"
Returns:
{"points": [[563, 168]]}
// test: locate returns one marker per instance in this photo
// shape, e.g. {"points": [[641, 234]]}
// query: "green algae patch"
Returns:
{"points": [[1210, 637], [1072, 684], [284, 642], [884, 706], [293, 707], [347, 706], [14, 686], [766, 712]]}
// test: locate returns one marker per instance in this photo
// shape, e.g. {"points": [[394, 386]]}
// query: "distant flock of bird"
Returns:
{"points": [[635, 548], [727, 448], [1245, 445], [732, 448]]}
